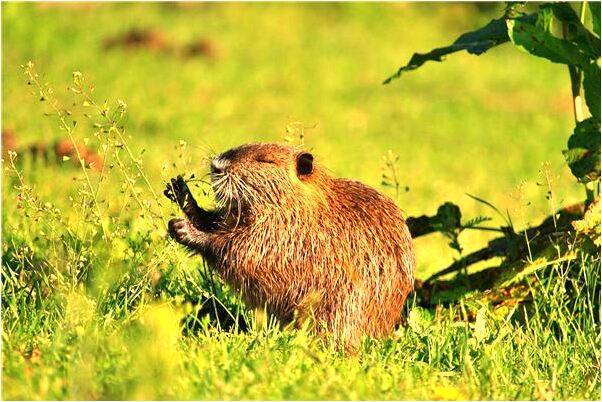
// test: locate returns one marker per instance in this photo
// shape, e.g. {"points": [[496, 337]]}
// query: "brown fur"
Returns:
{"points": [[139, 38], [200, 48], [9, 141], [64, 147], [292, 237]]}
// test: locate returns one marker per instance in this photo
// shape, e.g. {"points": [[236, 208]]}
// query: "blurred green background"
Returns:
{"points": [[124, 313], [477, 125]]}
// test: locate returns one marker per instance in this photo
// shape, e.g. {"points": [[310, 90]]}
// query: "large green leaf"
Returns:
{"points": [[594, 7], [535, 38], [576, 32], [531, 33], [475, 42], [591, 85], [583, 153]]}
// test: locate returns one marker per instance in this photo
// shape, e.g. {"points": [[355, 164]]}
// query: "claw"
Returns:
{"points": [[169, 192], [181, 182], [177, 191]]}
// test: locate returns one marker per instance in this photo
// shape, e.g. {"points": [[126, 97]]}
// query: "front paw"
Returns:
{"points": [[177, 191], [179, 230]]}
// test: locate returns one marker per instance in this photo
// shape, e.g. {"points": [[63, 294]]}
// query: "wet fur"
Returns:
{"points": [[304, 245]]}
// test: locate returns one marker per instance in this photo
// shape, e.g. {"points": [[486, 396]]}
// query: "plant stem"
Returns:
{"points": [[575, 72], [592, 190], [575, 75], [47, 94]]}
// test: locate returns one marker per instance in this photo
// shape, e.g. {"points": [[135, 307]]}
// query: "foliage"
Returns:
{"points": [[583, 153], [578, 48], [93, 337], [475, 42], [98, 304], [447, 221]]}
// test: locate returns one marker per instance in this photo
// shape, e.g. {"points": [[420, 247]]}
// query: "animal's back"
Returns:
{"points": [[306, 244]]}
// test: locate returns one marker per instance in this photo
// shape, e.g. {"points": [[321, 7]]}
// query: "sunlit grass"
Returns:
{"points": [[98, 304]]}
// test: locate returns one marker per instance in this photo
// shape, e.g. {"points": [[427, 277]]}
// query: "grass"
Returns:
{"points": [[97, 304]]}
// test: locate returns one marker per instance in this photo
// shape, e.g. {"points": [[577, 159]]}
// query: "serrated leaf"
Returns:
{"points": [[475, 42], [591, 86], [533, 38], [583, 153], [475, 221], [490, 205], [594, 7]]}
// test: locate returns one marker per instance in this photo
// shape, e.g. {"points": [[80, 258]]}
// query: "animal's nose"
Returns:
{"points": [[219, 165]]}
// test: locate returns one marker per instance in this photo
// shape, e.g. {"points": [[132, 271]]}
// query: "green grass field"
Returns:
{"points": [[94, 296]]}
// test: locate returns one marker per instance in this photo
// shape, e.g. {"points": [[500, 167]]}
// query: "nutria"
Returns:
{"points": [[294, 239], [139, 38], [62, 148], [65, 147], [9, 141], [202, 47]]}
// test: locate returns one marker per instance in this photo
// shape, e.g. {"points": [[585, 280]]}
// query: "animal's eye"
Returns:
{"points": [[265, 159]]}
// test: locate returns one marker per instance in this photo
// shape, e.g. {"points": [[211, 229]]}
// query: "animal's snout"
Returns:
{"points": [[219, 165]]}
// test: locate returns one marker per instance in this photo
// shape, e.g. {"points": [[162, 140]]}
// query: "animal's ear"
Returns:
{"points": [[305, 164]]}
